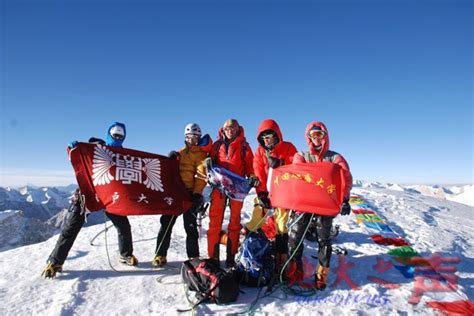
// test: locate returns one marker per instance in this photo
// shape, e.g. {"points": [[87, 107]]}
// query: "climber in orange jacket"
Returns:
{"points": [[232, 152], [272, 152]]}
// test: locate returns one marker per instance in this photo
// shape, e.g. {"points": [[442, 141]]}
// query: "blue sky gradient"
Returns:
{"points": [[392, 80]]}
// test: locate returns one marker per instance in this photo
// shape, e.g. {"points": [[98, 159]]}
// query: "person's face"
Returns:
{"points": [[269, 139], [192, 139], [117, 132], [231, 132], [316, 137]]}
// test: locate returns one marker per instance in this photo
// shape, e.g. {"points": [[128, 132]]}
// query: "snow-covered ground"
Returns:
{"points": [[88, 285], [459, 193]]}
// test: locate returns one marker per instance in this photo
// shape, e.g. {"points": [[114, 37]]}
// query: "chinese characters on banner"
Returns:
{"points": [[128, 182], [309, 187]]}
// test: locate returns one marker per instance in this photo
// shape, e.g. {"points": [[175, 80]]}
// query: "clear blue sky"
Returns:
{"points": [[392, 80]]}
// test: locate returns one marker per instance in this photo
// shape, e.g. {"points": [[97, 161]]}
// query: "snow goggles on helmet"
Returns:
{"points": [[319, 134], [230, 124]]}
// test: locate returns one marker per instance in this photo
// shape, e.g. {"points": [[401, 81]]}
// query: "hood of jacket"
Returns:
{"points": [[110, 141], [268, 125], [324, 142]]}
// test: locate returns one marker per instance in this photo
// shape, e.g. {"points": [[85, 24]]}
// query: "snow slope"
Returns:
{"points": [[465, 196], [89, 286], [459, 193]]}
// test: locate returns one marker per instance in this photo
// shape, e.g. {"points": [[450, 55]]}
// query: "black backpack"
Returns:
{"points": [[209, 281]]}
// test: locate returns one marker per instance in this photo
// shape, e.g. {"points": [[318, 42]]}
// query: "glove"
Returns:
{"points": [[263, 197], [76, 197], [173, 155], [95, 140], [274, 162], [73, 144], [197, 199], [345, 208], [253, 181]]}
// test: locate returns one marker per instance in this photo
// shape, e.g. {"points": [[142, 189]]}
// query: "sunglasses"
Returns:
{"points": [[118, 136], [230, 128], [316, 134], [192, 136], [268, 136]]}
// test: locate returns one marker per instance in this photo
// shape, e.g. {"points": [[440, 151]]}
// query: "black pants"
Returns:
{"points": [[323, 230], [192, 235], [124, 233], [73, 224]]}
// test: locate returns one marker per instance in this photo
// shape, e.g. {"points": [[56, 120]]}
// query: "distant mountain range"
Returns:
{"points": [[33, 214]]}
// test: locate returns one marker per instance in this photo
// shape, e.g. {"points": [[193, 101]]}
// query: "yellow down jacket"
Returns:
{"points": [[191, 164]]}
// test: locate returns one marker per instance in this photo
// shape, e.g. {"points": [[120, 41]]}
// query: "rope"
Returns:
{"points": [[167, 228], [108, 254], [91, 242], [296, 289], [106, 245], [160, 278]]}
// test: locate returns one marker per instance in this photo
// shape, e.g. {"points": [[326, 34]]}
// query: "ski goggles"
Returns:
{"points": [[313, 134], [118, 136], [190, 136], [231, 128], [268, 136]]}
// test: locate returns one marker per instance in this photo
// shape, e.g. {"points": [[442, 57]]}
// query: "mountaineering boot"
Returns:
{"points": [[294, 271], [159, 261], [321, 277], [129, 260], [51, 269]]}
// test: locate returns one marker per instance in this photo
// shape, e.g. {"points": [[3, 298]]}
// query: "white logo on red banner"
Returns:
{"points": [[128, 169]]}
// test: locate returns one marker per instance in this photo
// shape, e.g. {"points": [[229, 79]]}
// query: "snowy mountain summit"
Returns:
{"points": [[89, 285]]}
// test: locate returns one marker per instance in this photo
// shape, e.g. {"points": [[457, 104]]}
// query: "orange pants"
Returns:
{"points": [[216, 217]]}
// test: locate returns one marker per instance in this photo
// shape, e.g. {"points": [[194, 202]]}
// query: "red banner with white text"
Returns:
{"points": [[308, 187], [128, 182]]}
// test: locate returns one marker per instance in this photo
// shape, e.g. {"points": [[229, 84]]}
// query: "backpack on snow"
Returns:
{"points": [[255, 262], [209, 281]]}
